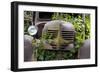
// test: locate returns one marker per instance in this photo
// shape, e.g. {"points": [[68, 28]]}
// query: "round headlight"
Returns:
{"points": [[32, 30]]}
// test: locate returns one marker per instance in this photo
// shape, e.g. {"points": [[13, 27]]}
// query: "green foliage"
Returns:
{"points": [[80, 31], [26, 25], [62, 16], [47, 36], [27, 20], [87, 26], [41, 53], [49, 55], [39, 49]]}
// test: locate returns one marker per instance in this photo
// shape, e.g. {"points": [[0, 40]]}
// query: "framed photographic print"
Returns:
{"points": [[52, 36]]}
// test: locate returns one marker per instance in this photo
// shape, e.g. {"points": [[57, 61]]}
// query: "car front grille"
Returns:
{"points": [[66, 35]]}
